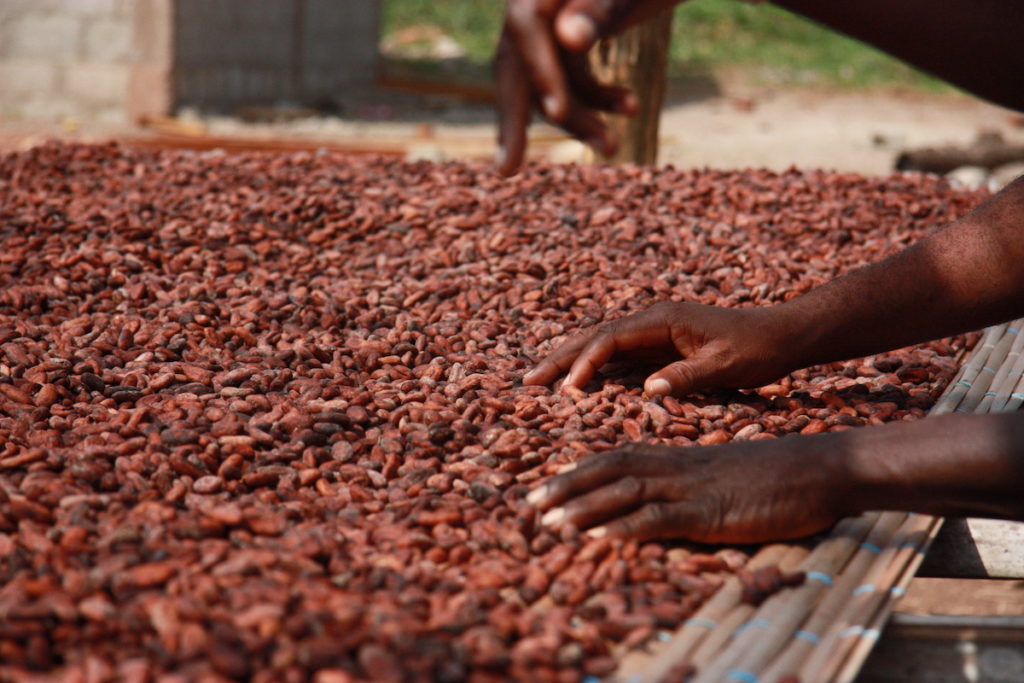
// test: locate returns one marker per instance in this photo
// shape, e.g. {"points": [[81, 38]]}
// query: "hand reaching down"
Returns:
{"points": [[716, 347], [541, 61]]}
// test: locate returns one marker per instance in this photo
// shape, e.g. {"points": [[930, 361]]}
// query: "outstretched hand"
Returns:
{"points": [[716, 347], [747, 492], [541, 61]]}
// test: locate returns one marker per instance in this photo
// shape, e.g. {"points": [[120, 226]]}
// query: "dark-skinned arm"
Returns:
{"points": [[749, 492], [972, 44], [963, 278]]}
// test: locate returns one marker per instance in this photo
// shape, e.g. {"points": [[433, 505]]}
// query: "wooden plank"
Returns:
{"points": [[1004, 629], [959, 651], [638, 60], [963, 597]]}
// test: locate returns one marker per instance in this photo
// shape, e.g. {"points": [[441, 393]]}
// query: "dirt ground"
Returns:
{"points": [[845, 131], [715, 126]]}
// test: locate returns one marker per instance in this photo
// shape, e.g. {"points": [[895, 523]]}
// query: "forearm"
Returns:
{"points": [[975, 45], [962, 278], [959, 465]]}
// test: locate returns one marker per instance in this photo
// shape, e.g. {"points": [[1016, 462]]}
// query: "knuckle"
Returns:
{"points": [[656, 515], [605, 333], [630, 488]]}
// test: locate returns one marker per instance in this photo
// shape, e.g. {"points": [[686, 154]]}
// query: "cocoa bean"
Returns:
{"points": [[261, 417]]}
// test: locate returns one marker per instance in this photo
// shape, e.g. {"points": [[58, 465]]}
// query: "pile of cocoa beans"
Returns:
{"points": [[261, 417]]}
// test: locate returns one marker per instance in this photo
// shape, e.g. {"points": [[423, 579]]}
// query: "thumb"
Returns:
{"points": [[580, 23], [683, 377], [576, 29]]}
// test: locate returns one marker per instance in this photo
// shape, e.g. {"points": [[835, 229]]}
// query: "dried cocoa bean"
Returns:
{"points": [[260, 415]]}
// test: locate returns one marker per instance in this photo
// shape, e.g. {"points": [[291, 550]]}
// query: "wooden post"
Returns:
{"points": [[638, 60]]}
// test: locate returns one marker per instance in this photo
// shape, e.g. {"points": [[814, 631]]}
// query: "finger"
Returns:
{"points": [[587, 90], [513, 100], [611, 501], [534, 40], [580, 23], [587, 126], [637, 460], [653, 520], [557, 362], [646, 329], [684, 377]]}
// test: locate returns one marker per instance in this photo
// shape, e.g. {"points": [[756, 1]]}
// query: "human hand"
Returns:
{"points": [[719, 347], [748, 492], [541, 60]]}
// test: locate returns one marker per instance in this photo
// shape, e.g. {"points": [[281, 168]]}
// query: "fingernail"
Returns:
{"points": [[598, 532], [537, 495], [529, 375], [658, 387], [500, 157], [578, 29], [553, 517], [566, 468], [551, 106]]}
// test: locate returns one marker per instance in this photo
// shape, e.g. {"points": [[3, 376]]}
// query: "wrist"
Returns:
{"points": [[879, 465], [850, 490], [786, 333]]}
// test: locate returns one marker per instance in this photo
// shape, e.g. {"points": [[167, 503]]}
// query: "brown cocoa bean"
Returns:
{"points": [[261, 414]]}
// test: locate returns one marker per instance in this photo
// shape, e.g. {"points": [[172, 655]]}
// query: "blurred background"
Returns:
{"points": [[748, 85]]}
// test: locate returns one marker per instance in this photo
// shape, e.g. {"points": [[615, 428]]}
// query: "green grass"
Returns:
{"points": [[474, 24], [774, 45], [767, 44]]}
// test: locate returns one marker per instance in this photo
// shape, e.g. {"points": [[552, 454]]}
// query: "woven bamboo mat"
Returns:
{"points": [[823, 630]]}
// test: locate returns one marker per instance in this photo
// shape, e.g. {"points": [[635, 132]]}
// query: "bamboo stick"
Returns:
{"points": [[879, 603], [955, 393], [1012, 392], [983, 382], [866, 599], [688, 636], [864, 644], [1016, 398], [1003, 382], [824, 614], [776, 620], [739, 617], [718, 637], [1013, 380]]}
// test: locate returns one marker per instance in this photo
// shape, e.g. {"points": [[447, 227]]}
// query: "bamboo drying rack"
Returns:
{"points": [[823, 630]]}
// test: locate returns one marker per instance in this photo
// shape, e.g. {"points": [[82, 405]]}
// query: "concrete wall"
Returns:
{"points": [[61, 58], [113, 60]]}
